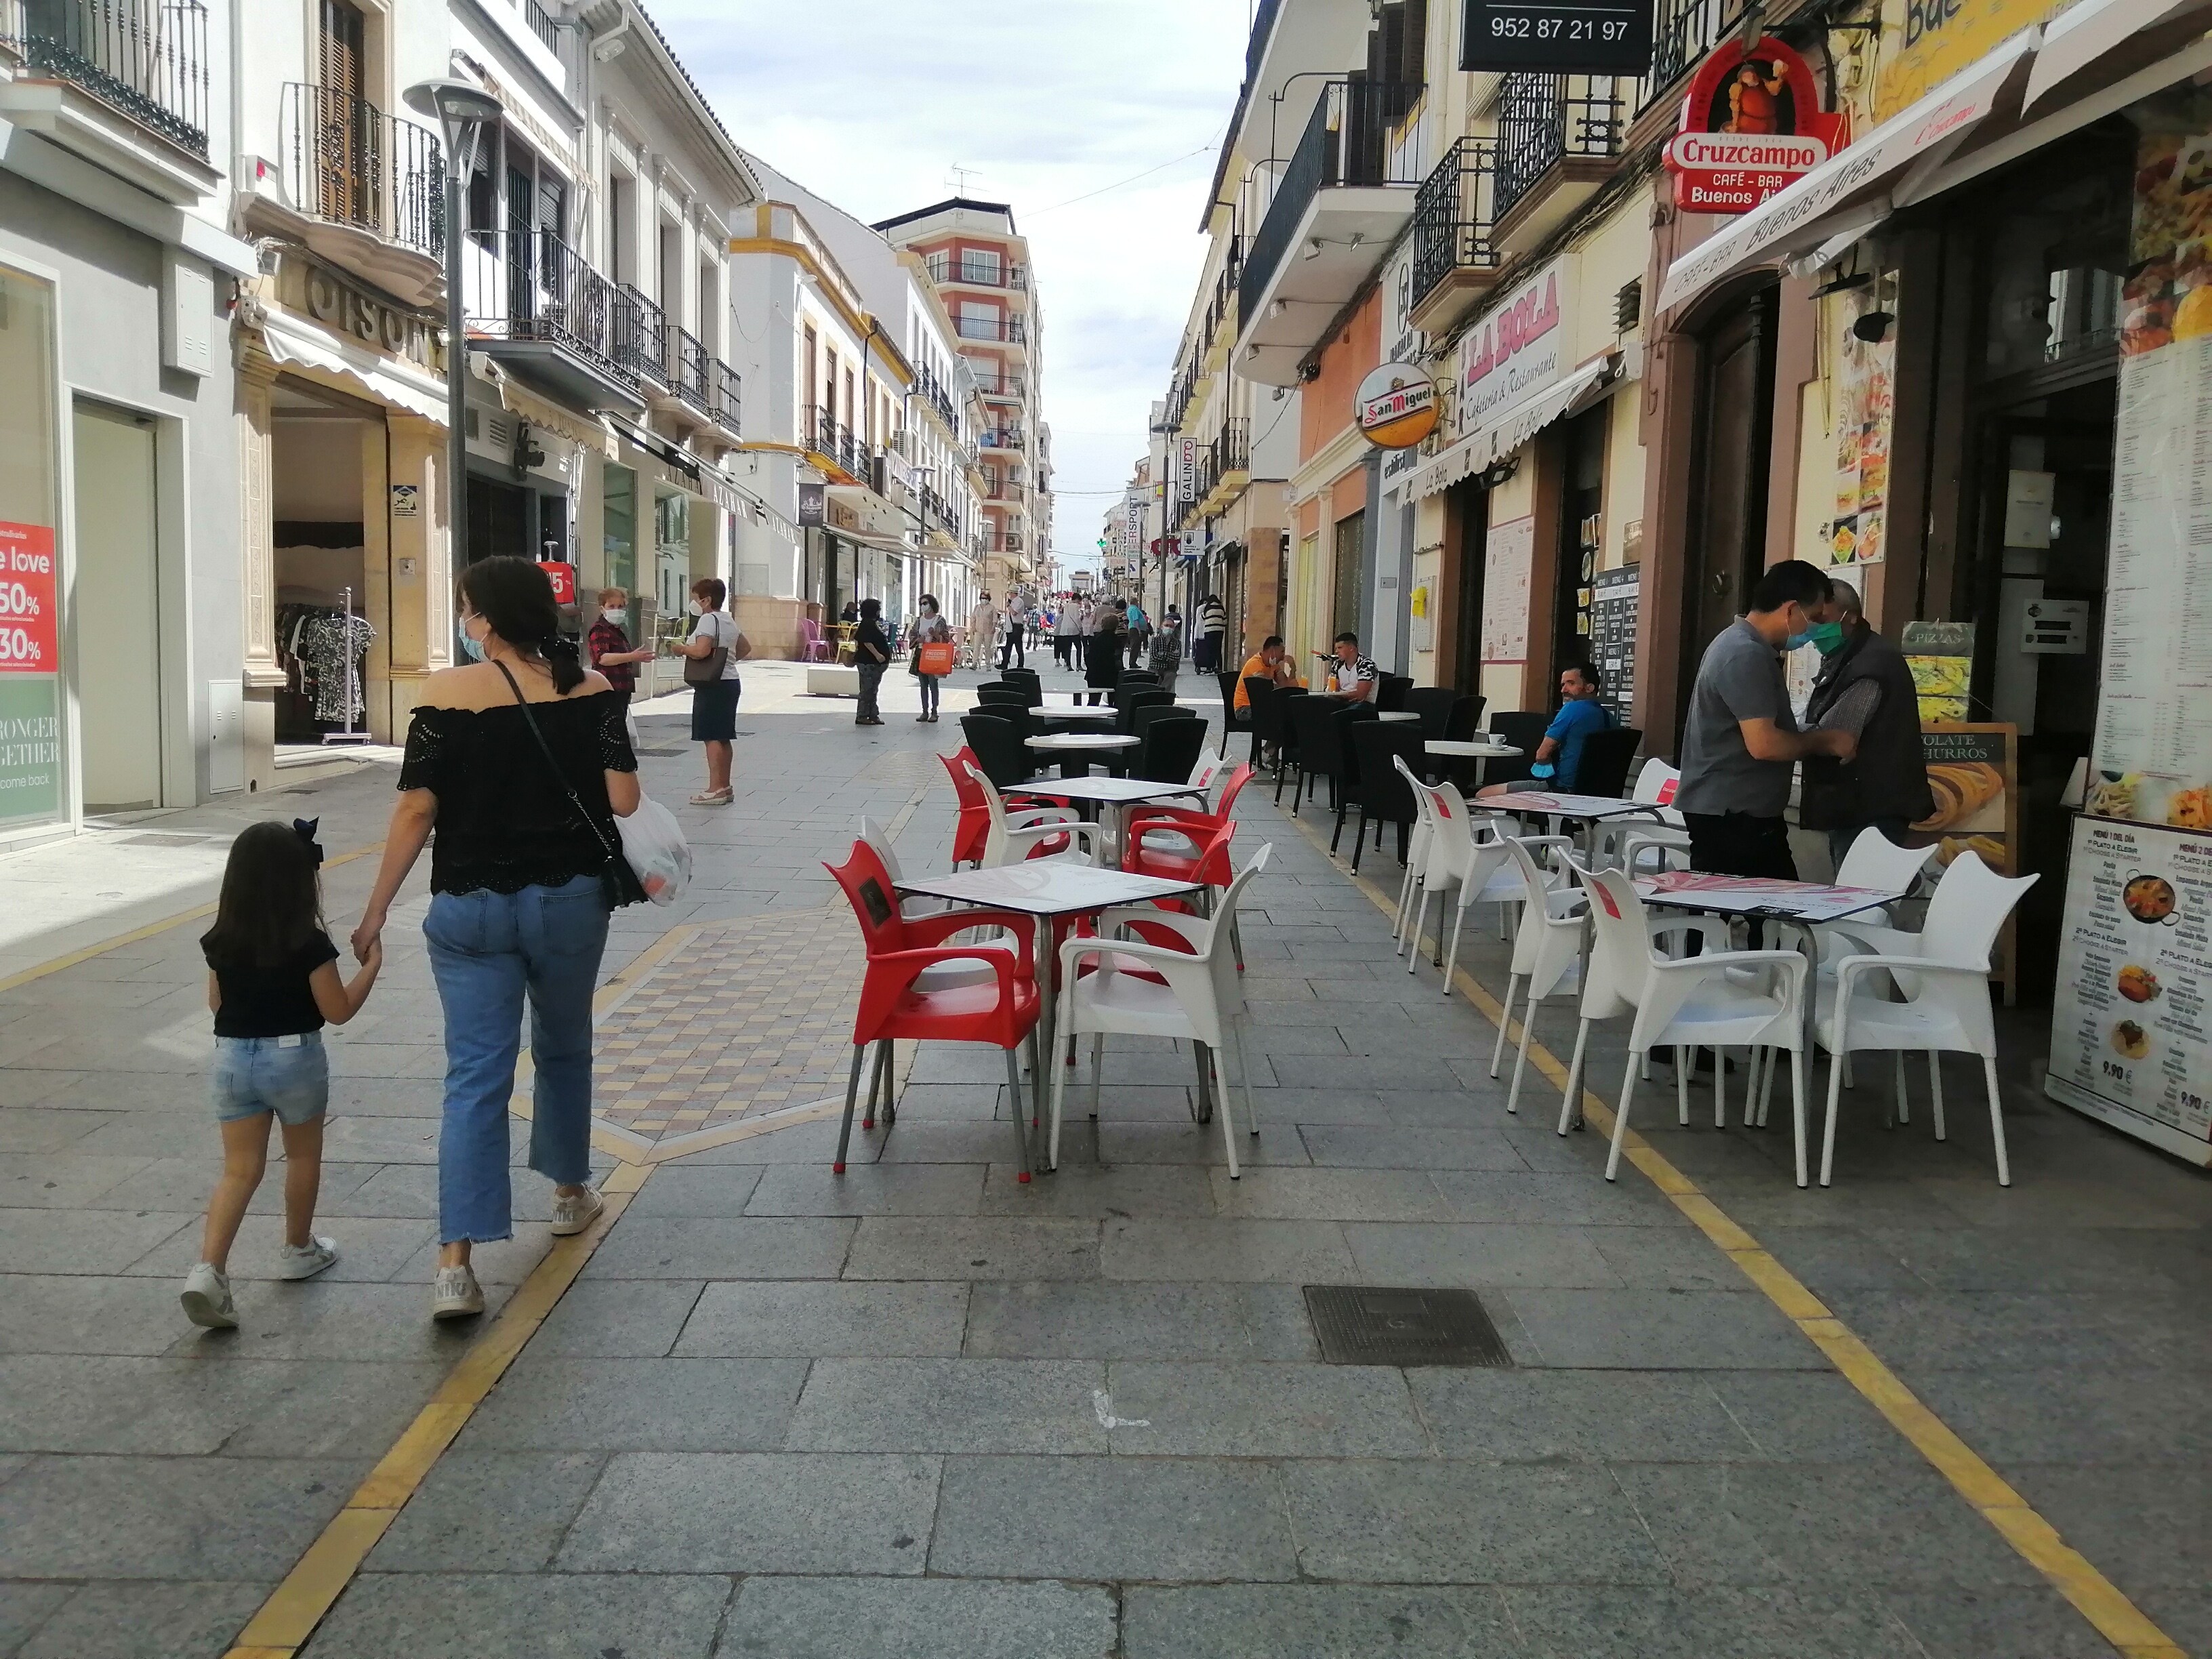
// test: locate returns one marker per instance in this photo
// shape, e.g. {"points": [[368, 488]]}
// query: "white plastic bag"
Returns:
{"points": [[653, 843]]}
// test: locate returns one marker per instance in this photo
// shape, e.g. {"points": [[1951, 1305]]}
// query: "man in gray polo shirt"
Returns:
{"points": [[1740, 740]]}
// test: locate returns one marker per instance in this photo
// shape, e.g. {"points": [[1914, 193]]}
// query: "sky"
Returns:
{"points": [[872, 103]]}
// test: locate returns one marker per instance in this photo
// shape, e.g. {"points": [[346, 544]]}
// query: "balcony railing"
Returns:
{"points": [[1003, 438], [1007, 328], [1223, 306], [929, 387], [1346, 142], [694, 371], [541, 23], [829, 438], [977, 273], [146, 59], [1686, 31], [728, 398], [640, 336], [542, 290], [1451, 216], [1545, 119], [347, 163]]}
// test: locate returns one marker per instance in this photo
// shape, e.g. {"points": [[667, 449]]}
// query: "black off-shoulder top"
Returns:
{"points": [[504, 821]]}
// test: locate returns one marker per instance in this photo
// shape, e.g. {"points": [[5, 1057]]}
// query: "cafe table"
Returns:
{"points": [[1590, 810], [1076, 748], [1046, 889], [1467, 748], [1396, 716], [1088, 794]]}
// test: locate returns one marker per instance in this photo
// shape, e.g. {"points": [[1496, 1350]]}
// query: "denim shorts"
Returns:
{"points": [[289, 1075]]}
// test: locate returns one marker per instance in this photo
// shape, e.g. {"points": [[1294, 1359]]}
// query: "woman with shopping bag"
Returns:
{"points": [[933, 655]]}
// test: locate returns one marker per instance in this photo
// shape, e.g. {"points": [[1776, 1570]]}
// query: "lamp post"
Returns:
{"points": [[461, 111]]}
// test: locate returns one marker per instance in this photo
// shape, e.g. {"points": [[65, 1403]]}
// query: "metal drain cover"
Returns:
{"points": [[1381, 1325]]}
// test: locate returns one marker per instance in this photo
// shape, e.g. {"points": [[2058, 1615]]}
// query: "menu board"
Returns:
{"points": [[1509, 556], [1940, 655], [2152, 756], [2130, 1041], [1613, 638], [1865, 414]]}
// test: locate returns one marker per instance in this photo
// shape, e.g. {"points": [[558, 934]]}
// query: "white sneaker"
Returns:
{"points": [[573, 1211], [305, 1261], [206, 1298], [456, 1294]]}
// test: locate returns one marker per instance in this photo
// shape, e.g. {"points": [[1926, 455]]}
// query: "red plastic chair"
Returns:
{"points": [[1195, 824], [1209, 863], [971, 830], [901, 949]]}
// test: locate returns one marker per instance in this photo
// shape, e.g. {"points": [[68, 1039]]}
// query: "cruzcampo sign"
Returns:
{"points": [[1751, 127], [1925, 42]]}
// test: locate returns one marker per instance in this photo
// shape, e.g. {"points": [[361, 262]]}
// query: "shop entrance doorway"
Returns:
{"points": [[118, 606], [1727, 477]]}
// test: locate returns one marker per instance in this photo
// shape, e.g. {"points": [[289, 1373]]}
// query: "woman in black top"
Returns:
{"points": [[516, 908], [871, 650], [1102, 651]]}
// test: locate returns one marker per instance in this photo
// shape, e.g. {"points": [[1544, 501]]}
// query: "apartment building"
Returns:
{"points": [[980, 264], [118, 503]]}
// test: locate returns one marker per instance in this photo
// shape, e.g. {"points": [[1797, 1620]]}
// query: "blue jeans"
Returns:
{"points": [[487, 951], [289, 1075]]}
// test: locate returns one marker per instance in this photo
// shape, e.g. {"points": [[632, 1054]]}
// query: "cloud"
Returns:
{"points": [[871, 103]]}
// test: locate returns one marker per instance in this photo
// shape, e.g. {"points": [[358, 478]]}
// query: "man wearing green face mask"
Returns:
{"points": [[1864, 687]]}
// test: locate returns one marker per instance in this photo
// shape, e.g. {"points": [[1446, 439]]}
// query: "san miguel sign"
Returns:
{"points": [[1751, 126], [1397, 405]]}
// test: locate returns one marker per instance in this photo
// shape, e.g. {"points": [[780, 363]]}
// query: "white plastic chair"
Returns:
{"points": [[1718, 999], [1476, 872], [1417, 851], [1013, 836], [1140, 988], [1942, 975], [1647, 846], [1547, 950]]}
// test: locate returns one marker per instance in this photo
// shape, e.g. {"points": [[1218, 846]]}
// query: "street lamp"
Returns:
{"points": [[461, 112]]}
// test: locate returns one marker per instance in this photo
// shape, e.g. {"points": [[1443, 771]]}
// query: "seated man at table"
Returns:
{"points": [[1350, 676], [1559, 758], [1269, 662]]}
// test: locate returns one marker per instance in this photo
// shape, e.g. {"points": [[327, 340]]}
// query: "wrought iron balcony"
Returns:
{"points": [[1685, 31], [972, 272], [1556, 128], [1009, 329], [1003, 438], [1223, 306], [532, 290], [346, 162], [1451, 221], [729, 390], [823, 434], [640, 336], [1346, 142], [146, 59], [694, 371]]}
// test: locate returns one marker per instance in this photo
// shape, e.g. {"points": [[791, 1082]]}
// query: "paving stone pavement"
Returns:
{"points": [[926, 1409]]}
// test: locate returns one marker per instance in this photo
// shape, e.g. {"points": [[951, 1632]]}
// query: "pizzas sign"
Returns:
{"points": [[1397, 405], [1752, 125]]}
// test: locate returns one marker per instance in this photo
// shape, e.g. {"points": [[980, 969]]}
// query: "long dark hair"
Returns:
{"points": [[516, 597], [272, 902]]}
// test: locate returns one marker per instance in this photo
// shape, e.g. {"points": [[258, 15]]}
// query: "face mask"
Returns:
{"points": [[472, 644], [618, 615], [696, 609], [1798, 640], [1829, 637]]}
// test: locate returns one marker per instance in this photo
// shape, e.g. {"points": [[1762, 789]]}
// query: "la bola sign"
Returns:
{"points": [[1751, 126], [1397, 405]]}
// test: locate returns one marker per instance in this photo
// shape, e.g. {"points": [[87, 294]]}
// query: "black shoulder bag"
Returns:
{"points": [[618, 883]]}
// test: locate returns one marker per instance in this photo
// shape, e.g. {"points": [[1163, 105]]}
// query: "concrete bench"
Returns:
{"points": [[827, 680]]}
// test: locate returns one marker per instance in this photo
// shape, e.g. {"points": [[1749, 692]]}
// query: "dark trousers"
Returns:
{"points": [[1738, 844], [1012, 650], [929, 692], [872, 678]]}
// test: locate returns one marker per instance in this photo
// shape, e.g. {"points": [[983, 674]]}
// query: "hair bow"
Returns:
{"points": [[305, 830]]}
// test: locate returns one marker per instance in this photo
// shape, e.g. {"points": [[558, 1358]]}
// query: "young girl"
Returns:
{"points": [[272, 982]]}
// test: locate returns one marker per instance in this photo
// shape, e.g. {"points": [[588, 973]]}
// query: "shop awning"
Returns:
{"points": [[2101, 40], [584, 431], [1878, 171], [386, 380], [1515, 426]]}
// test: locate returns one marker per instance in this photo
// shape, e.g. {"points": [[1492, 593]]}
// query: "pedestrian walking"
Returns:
{"points": [[1139, 628], [1010, 651], [931, 629], [1212, 626], [520, 762], [1741, 742], [609, 639], [872, 653], [1102, 660], [273, 983], [982, 631], [713, 654], [1066, 628]]}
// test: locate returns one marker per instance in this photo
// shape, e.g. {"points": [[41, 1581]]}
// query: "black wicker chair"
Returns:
{"points": [[1173, 741], [1379, 793], [998, 748], [1433, 703], [1607, 756], [1521, 728]]}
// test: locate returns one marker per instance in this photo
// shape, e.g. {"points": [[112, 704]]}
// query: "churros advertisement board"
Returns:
{"points": [[1972, 772], [2131, 1028]]}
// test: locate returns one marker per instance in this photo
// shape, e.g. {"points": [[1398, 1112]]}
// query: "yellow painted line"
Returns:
{"points": [[296, 1606], [2098, 1600], [197, 913]]}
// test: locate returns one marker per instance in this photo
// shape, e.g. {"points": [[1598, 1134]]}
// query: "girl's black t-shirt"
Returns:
{"points": [[272, 1002], [875, 644]]}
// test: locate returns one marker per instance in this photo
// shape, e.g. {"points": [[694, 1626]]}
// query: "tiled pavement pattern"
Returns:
{"points": [[749, 1015], [924, 1410]]}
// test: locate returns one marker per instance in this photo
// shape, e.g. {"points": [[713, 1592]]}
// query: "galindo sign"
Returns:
{"points": [[1751, 126], [1517, 350]]}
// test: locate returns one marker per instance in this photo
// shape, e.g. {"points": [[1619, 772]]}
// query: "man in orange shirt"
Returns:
{"points": [[1269, 662]]}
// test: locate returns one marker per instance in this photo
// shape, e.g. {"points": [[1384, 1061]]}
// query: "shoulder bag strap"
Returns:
{"points": [[546, 750]]}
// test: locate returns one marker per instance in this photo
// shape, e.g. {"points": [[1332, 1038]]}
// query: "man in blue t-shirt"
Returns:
{"points": [[1559, 758]]}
